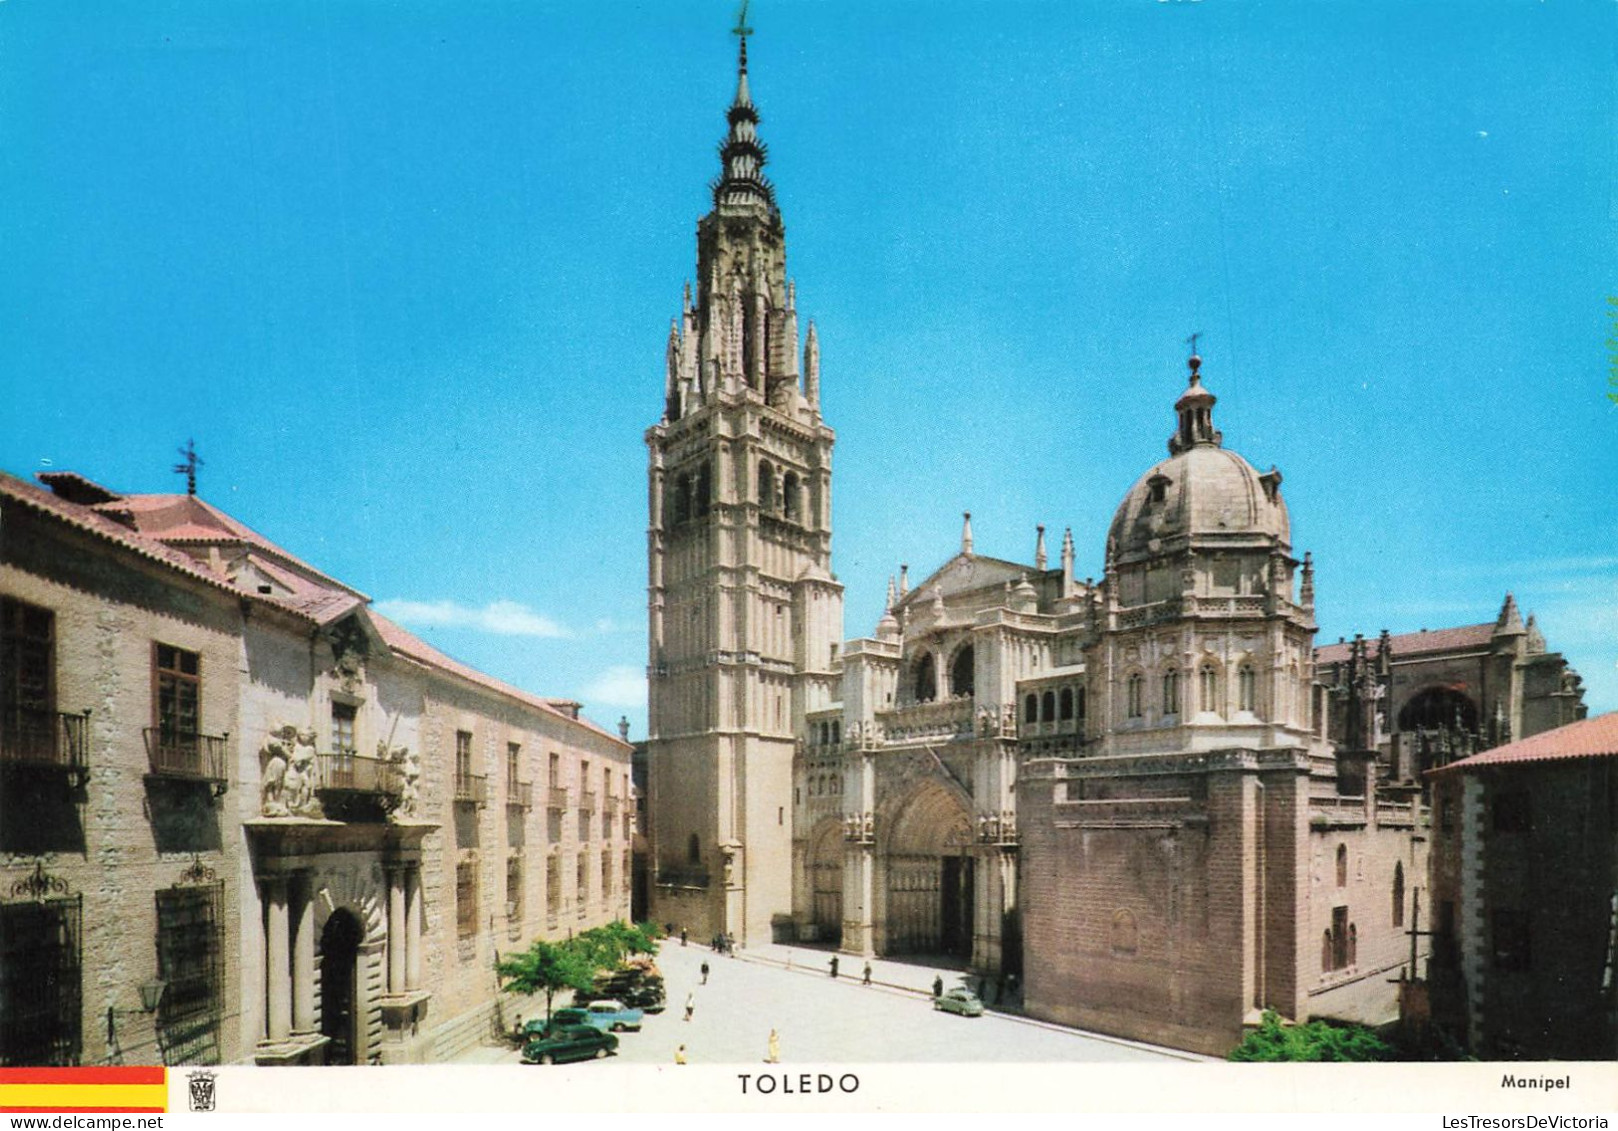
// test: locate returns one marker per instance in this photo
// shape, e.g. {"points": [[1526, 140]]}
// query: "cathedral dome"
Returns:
{"points": [[1202, 493]]}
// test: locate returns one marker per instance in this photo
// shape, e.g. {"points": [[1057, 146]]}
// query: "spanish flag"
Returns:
{"points": [[84, 1089]]}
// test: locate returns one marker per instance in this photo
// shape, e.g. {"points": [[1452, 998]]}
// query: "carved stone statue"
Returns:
{"points": [[299, 784], [274, 757], [407, 768]]}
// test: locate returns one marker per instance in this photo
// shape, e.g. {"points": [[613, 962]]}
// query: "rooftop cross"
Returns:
{"points": [[1191, 341], [189, 467]]}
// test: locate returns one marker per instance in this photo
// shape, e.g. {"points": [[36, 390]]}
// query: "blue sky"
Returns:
{"points": [[405, 272]]}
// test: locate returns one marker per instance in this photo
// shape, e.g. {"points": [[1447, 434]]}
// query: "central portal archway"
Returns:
{"points": [[826, 881], [339, 969], [930, 875]]}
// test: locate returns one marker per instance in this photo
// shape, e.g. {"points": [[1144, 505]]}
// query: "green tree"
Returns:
{"points": [[546, 968], [1317, 1040]]}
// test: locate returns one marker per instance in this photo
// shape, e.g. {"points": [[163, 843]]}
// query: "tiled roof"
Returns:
{"points": [[1414, 643], [1587, 738]]}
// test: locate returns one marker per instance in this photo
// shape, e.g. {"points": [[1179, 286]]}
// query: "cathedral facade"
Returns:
{"points": [[1146, 798]]}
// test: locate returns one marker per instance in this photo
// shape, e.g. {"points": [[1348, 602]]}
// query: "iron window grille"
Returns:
{"points": [[190, 960], [41, 980]]}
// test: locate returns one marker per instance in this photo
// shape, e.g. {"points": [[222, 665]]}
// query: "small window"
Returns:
{"points": [[1047, 707], [1210, 689], [1065, 708], [693, 850], [1133, 693], [466, 899], [1342, 865], [1171, 692], [342, 729], [1030, 709], [1245, 688], [514, 889]]}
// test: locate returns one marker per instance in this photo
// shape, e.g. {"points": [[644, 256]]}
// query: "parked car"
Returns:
{"points": [[613, 1015], [639, 986], [959, 1000], [570, 1042], [560, 1019]]}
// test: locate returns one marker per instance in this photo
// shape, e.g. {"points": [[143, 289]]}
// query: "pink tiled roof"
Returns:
{"points": [[1587, 738], [1413, 643]]}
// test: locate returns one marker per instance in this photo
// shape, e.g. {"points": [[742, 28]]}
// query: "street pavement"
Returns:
{"points": [[820, 1020]]}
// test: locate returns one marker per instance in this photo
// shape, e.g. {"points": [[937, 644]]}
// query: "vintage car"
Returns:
{"points": [[959, 1000], [613, 1015], [569, 1042]]}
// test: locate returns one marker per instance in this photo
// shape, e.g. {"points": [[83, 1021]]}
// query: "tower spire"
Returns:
{"points": [[966, 532], [1195, 409], [743, 155]]}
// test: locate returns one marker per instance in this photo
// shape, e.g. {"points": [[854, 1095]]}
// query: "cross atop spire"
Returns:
{"points": [[742, 31], [742, 180]]}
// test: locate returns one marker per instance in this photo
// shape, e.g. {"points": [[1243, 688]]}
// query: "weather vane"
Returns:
{"points": [[189, 467]]}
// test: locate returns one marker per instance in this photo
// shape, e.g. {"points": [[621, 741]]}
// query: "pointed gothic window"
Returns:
{"points": [[1047, 707], [1171, 692], [1209, 690], [1342, 865], [789, 496], [1245, 687], [1065, 707], [926, 679], [960, 672], [766, 486], [1133, 690], [704, 489], [1030, 709]]}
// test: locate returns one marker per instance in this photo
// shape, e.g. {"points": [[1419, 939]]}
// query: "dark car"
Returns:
{"points": [[570, 1042], [560, 1019]]}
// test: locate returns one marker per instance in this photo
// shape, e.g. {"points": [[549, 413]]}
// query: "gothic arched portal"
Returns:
{"points": [[826, 880], [929, 869]]}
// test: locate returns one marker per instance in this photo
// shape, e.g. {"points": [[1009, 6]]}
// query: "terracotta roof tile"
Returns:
{"points": [[1415, 643], [1587, 738]]}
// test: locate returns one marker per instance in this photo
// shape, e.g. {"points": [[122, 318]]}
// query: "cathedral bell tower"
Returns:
{"points": [[743, 612]]}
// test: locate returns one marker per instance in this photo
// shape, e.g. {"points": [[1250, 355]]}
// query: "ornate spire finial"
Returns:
{"points": [[1039, 548], [189, 467], [966, 532]]}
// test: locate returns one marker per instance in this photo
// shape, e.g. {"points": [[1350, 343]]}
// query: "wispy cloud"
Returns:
{"points": [[504, 618], [618, 686]]}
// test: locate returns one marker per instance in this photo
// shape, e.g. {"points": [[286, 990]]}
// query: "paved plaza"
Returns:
{"points": [[820, 1020]]}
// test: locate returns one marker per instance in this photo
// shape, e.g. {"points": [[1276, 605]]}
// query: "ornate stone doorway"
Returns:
{"points": [[826, 882], [928, 875], [339, 970]]}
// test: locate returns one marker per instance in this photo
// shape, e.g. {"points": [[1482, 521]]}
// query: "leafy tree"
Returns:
{"points": [[1317, 1040], [546, 968]]}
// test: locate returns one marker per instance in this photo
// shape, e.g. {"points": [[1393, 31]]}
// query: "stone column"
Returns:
{"points": [[277, 968], [398, 931], [413, 914], [303, 953]]}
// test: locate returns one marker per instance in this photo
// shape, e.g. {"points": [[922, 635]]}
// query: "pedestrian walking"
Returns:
{"points": [[938, 986], [865, 978], [690, 1005], [679, 1055], [775, 1048], [682, 936], [705, 973], [834, 966]]}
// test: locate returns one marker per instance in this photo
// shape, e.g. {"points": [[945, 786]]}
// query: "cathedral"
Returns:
{"points": [[1146, 798]]}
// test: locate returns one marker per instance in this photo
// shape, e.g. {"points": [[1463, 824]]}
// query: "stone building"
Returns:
{"points": [[245, 818], [1525, 896], [1198, 851], [744, 614]]}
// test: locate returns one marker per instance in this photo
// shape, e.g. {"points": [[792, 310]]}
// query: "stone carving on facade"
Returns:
{"points": [[405, 768], [288, 774], [859, 828]]}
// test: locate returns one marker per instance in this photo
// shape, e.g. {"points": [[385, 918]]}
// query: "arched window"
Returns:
{"points": [[1209, 692], [1132, 690], [693, 850], [682, 497], [960, 672], [789, 495], [1342, 865], [1030, 709], [926, 679], [1171, 692], [1047, 707], [766, 486], [1398, 895], [704, 489], [1064, 709], [1439, 708], [1245, 687]]}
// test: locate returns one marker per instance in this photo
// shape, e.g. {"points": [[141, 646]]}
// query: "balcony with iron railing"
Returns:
{"points": [[556, 798], [52, 740], [471, 789], [587, 800], [344, 771], [519, 795], [188, 757]]}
